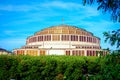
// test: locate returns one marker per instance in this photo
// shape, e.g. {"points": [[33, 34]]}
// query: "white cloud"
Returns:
{"points": [[9, 32], [48, 13], [18, 7], [63, 5], [43, 6], [17, 33], [91, 11], [46, 10]]}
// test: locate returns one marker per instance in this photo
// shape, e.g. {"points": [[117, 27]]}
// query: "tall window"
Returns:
{"points": [[94, 40], [51, 31], [65, 31], [47, 38], [56, 37], [94, 53], [88, 53], [88, 39], [34, 39], [71, 31], [65, 38], [84, 39], [42, 52], [74, 38], [40, 38], [73, 53], [80, 38], [67, 52], [31, 39]]}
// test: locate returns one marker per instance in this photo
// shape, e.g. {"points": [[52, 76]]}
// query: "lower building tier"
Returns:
{"points": [[72, 52]]}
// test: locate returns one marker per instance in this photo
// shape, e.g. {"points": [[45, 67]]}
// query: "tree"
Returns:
{"points": [[113, 37], [113, 6]]}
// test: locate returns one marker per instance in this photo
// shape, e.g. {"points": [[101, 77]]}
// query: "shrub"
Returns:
{"points": [[59, 67]]}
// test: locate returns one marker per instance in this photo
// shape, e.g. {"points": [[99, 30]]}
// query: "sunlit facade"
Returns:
{"points": [[4, 52], [61, 40]]}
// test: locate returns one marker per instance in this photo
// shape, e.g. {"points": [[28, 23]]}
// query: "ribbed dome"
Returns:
{"points": [[63, 29]]}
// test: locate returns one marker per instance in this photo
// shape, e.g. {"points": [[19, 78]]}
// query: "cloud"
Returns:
{"points": [[9, 31], [20, 22], [78, 7], [17, 7], [31, 17], [91, 11], [47, 6], [17, 33], [63, 5], [47, 10]]}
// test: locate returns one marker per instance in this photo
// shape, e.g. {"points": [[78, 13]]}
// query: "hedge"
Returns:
{"points": [[58, 68]]}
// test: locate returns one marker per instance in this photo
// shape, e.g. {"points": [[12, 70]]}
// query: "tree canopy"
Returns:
{"points": [[112, 6], [113, 37]]}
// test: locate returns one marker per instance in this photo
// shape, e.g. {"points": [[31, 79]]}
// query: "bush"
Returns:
{"points": [[59, 67]]}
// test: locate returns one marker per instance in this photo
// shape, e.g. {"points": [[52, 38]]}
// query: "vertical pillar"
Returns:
{"points": [[48, 51], [25, 52], [85, 53], [43, 41], [38, 52], [70, 52], [51, 37], [60, 37], [36, 38]]}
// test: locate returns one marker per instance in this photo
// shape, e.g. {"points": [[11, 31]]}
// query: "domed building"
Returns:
{"points": [[61, 40]]}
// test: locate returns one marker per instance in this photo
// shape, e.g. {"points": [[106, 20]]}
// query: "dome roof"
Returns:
{"points": [[63, 29]]}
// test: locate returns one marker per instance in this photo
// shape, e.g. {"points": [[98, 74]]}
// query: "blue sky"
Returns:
{"points": [[22, 18]]}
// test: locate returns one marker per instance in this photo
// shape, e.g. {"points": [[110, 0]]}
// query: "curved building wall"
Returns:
{"points": [[61, 40]]}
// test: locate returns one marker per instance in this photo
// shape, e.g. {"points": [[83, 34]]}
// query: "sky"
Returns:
{"points": [[20, 19]]}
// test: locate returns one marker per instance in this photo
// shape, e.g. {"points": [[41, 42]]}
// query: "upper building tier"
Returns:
{"points": [[64, 29]]}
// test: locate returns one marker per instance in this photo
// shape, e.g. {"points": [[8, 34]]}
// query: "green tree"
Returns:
{"points": [[113, 37], [113, 7]]}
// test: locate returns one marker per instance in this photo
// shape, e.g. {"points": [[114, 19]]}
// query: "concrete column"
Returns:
{"points": [[70, 52], [60, 37], [43, 41], [38, 52], [25, 52], [51, 37], [85, 52], [48, 52]]}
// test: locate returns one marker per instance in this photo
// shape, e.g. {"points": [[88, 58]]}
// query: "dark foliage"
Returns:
{"points": [[113, 37], [113, 6], [60, 67]]}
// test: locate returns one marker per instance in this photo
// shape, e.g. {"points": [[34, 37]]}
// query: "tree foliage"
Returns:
{"points": [[47, 67], [113, 37], [110, 68], [60, 67], [113, 6]]}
